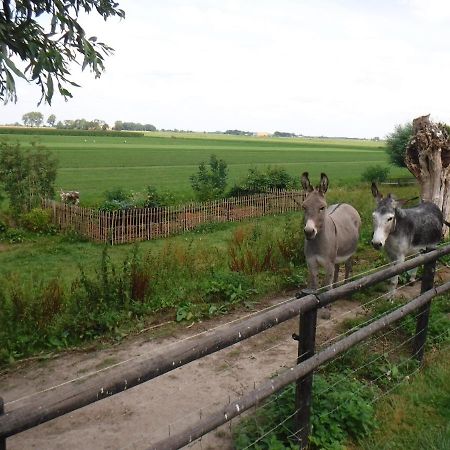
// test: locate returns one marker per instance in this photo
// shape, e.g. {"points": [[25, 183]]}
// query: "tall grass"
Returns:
{"points": [[183, 279]]}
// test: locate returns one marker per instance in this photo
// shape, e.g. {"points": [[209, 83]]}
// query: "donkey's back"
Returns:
{"points": [[347, 222], [421, 225]]}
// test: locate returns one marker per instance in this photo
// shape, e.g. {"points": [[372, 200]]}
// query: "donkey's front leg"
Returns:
{"points": [[348, 268], [336, 274], [329, 274], [313, 275], [394, 280]]}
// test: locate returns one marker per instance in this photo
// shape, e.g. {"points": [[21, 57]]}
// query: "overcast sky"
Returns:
{"points": [[333, 68]]}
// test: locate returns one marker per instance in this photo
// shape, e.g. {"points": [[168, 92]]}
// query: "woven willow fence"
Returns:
{"points": [[140, 224]]}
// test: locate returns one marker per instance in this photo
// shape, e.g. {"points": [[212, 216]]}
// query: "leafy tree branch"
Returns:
{"points": [[47, 37]]}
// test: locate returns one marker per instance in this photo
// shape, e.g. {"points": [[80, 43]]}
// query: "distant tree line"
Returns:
{"points": [[284, 134], [240, 132], [133, 126], [82, 124]]}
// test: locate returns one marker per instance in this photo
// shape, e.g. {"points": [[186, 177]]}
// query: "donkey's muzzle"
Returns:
{"points": [[310, 233], [377, 245]]}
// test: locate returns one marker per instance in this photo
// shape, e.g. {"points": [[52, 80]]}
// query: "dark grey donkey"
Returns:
{"points": [[403, 232], [331, 233]]}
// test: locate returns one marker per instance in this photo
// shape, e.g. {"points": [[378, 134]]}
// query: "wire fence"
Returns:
{"points": [[143, 224], [331, 296]]}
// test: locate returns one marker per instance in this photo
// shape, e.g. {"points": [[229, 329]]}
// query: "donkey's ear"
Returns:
{"points": [[323, 186], [306, 184], [375, 192]]}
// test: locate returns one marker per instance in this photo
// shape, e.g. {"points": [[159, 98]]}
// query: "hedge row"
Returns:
{"points": [[65, 132]]}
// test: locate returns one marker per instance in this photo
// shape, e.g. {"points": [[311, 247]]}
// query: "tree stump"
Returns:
{"points": [[428, 159]]}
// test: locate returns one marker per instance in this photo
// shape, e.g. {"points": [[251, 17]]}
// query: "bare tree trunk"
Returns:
{"points": [[428, 159]]}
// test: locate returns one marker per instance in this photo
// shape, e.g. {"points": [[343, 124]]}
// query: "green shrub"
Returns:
{"points": [[38, 220], [27, 175], [14, 235], [3, 227], [375, 174], [156, 199], [439, 322], [116, 199], [209, 182], [259, 182], [342, 408], [226, 287]]}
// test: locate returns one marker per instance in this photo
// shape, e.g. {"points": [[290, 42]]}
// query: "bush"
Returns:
{"points": [[342, 408], [115, 199], [27, 175], [38, 220], [375, 173], [14, 235], [209, 183], [257, 182], [157, 199]]}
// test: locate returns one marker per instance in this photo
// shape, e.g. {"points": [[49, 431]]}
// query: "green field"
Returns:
{"points": [[94, 164]]}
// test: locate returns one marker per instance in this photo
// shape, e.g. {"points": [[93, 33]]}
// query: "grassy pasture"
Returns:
{"points": [[94, 164]]}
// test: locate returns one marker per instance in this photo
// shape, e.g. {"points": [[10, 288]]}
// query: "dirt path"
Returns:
{"points": [[144, 414]]}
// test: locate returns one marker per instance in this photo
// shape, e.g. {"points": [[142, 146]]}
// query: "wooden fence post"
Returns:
{"points": [[303, 391], [424, 311], [2, 411]]}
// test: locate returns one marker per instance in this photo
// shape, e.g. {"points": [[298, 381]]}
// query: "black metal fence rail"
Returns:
{"points": [[51, 404]]}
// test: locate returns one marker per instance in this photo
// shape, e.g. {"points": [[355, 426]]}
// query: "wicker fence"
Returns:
{"points": [[141, 224]]}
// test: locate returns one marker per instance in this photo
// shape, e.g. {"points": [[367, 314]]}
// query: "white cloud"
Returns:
{"points": [[322, 67]]}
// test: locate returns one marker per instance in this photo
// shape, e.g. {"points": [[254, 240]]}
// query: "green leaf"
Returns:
{"points": [[12, 66], [49, 89]]}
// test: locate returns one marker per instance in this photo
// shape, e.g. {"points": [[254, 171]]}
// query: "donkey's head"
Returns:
{"points": [[383, 217], [314, 205]]}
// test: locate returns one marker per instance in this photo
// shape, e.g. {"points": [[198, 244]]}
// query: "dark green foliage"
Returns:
{"points": [[209, 183], [439, 322], [262, 181], [119, 198], [26, 31], [27, 176], [116, 199], [83, 124], [119, 125], [375, 173], [3, 227], [13, 235], [284, 134], [38, 220], [28, 314], [396, 143], [341, 409], [156, 199], [228, 288], [68, 132]]}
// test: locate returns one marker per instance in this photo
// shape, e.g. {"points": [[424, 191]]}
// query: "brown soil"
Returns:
{"points": [[142, 415]]}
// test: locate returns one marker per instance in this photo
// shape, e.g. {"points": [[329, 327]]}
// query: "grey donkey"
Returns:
{"points": [[331, 233], [404, 231]]}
